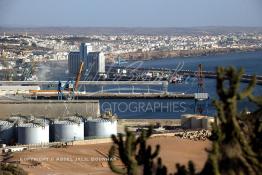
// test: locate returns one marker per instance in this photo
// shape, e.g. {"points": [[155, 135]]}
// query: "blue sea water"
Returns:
{"points": [[173, 108], [169, 108]]}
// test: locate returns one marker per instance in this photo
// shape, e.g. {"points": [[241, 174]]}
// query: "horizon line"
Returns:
{"points": [[153, 27]]}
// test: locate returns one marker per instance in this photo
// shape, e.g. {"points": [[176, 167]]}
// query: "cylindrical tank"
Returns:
{"points": [[64, 130], [31, 133], [99, 128], [7, 132]]}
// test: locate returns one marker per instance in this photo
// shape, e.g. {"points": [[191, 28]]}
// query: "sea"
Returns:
{"points": [[169, 108]]}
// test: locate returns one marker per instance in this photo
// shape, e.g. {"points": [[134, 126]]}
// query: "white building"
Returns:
{"points": [[84, 49], [74, 58], [95, 64]]}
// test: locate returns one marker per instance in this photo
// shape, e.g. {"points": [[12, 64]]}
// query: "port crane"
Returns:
{"points": [[70, 88], [201, 97]]}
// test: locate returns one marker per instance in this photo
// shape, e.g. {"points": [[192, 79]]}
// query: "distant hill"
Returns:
{"points": [[129, 31]]}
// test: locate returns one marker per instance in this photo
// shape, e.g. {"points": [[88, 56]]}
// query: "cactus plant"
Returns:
{"points": [[127, 153], [133, 152], [232, 151]]}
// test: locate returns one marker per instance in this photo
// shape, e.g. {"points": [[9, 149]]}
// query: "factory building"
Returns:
{"points": [[74, 58], [192, 121], [84, 49], [73, 62], [94, 62]]}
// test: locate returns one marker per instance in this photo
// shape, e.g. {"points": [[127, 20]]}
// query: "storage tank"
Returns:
{"points": [[7, 132], [32, 133], [65, 130], [186, 120], [99, 128]]}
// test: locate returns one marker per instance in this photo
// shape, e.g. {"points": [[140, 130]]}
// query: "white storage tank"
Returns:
{"points": [[100, 128], [7, 132], [32, 133], [65, 130]]}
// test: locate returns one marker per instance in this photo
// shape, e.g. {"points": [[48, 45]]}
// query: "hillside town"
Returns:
{"points": [[20, 51]]}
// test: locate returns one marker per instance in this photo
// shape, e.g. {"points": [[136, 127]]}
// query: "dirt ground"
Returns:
{"points": [[91, 159]]}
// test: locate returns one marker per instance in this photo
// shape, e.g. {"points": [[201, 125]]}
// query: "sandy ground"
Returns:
{"points": [[90, 159]]}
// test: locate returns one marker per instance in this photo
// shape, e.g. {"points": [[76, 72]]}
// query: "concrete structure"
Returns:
{"points": [[201, 96], [192, 121], [73, 62], [99, 128], [84, 49], [7, 132], [49, 108], [85, 82], [64, 130], [31, 133], [74, 58], [95, 64], [12, 90]]}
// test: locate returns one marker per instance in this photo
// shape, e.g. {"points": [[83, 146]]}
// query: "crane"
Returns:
{"points": [[78, 76], [71, 89], [201, 97]]}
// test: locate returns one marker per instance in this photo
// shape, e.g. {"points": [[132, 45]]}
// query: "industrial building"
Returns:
{"points": [[84, 49], [193, 121], [95, 65], [75, 58], [73, 62], [94, 62]]}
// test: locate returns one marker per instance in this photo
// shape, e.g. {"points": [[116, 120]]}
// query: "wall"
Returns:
{"points": [[49, 108]]}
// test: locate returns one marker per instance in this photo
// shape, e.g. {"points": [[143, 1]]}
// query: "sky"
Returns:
{"points": [[130, 13]]}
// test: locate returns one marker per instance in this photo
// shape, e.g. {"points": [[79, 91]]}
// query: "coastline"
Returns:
{"points": [[158, 55]]}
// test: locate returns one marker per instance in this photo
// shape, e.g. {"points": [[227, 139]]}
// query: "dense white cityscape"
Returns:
{"points": [[58, 47], [19, 50]]}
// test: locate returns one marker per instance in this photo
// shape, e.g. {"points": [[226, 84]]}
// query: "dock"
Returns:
{"points": [[97, 96]]}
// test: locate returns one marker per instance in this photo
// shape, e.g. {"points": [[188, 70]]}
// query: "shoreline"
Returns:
{"points": [[182, 54]]}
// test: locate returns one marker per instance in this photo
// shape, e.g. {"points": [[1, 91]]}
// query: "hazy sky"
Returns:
{"points": [[131, 13]]}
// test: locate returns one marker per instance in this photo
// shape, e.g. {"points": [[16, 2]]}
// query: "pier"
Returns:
{"points": [[96, 96], [85, 82], [246, 78]]}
